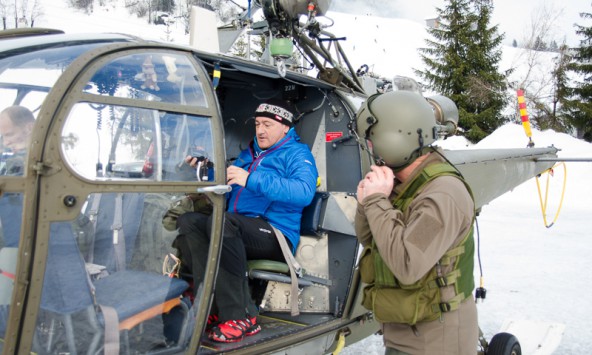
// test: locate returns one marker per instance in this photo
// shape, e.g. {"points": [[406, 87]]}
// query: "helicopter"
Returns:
{"points": [[87, 265]]}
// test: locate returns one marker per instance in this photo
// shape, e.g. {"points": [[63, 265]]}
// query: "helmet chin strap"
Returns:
{"points": [[363, 143], [420, 138]]}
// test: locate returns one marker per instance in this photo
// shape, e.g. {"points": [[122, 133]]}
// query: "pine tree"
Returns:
{"points": [[165, 6], [462, 63], [578, 107], [539, 45], [555, 119]]}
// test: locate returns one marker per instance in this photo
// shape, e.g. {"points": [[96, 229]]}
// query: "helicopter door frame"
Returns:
{"points": [[55, 192]]}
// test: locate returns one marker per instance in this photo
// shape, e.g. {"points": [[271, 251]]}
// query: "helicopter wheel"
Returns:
{"points": [[504, 344]]}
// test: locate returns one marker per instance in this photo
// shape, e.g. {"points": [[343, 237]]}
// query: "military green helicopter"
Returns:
{"points": [[85, 260]]}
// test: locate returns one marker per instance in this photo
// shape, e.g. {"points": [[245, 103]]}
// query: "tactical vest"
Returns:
{"points": [[392, 301]]}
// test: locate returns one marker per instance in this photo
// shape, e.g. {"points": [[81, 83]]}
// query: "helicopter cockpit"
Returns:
{"points": [[115, 118]]}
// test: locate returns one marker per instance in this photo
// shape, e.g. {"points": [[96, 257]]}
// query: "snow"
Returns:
{"points": [[113, 18], [532, 272], [387, 46], [538, 279]]}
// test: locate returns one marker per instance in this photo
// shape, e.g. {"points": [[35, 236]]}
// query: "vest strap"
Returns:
{"points": [[451, 305], [452, 253], [444, 281]]}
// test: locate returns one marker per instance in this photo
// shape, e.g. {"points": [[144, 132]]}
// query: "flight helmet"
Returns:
{"points": [[395, 126]]}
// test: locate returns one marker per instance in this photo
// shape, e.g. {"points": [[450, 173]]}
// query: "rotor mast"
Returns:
{"points": [[319, 47]]}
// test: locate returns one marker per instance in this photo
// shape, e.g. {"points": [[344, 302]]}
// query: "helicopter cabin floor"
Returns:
{"points": [[273, 325]]}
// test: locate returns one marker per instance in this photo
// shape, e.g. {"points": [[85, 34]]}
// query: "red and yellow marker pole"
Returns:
{"points": [[526, 125], [524, 116]]}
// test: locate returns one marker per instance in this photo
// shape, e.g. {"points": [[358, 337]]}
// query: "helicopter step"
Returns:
{"points": [[274, 325]]}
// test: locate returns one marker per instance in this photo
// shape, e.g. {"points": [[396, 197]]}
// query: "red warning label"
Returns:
{"points": [[329, 136]]}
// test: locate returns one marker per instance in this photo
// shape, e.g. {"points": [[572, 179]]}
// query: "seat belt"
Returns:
{"points": [[295, 269], [118, 235], [111, 337], [111, 320], [93, 215]]}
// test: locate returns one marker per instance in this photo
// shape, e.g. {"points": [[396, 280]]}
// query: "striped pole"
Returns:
{"points": [[524, 116]]}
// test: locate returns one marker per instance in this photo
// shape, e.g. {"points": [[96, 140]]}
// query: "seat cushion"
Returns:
{"points": [[130, 292]]}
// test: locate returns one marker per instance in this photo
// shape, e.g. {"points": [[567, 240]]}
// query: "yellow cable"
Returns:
{"points": [[544, 204], [340, 344]]}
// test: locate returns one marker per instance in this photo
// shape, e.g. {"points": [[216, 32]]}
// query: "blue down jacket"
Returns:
{"points": [[282, 181]]}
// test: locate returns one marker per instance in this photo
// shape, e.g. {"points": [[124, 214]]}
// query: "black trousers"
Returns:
{"points": [[244, 238]]}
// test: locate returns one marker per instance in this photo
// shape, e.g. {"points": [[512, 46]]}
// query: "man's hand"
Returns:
{"points": [[236, 175], [193, 160], [380, 180]]}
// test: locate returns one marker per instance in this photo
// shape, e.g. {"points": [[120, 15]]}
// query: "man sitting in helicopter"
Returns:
{"points": [[272, 181]]}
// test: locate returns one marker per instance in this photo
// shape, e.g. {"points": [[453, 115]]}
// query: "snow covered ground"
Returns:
{"points": [[531, 273]]}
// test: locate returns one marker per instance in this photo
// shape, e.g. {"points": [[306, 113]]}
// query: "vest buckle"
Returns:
{"points": [[445, 307], [441, 282]]}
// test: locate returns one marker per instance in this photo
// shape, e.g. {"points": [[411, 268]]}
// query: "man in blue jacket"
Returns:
{"points": [[272, 181]]}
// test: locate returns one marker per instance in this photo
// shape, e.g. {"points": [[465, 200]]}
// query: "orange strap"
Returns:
{"points": [[7, 274]]}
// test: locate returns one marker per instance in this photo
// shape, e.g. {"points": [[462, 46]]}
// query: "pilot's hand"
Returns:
{"points": [[236, 175], [380, 180], [192, 160]]}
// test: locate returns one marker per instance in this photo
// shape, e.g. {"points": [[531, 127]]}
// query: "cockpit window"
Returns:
{"points": [[27, 74], [107, 141], [154, 76]]}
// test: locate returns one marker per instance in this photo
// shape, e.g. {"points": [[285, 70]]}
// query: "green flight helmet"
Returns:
{"points": [[396, 125]]}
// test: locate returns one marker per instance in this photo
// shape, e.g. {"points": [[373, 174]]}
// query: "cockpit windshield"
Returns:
{"points": [[27, 75]]}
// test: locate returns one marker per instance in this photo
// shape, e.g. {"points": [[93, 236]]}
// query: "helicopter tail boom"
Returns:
{"points": [[493, 172]]}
